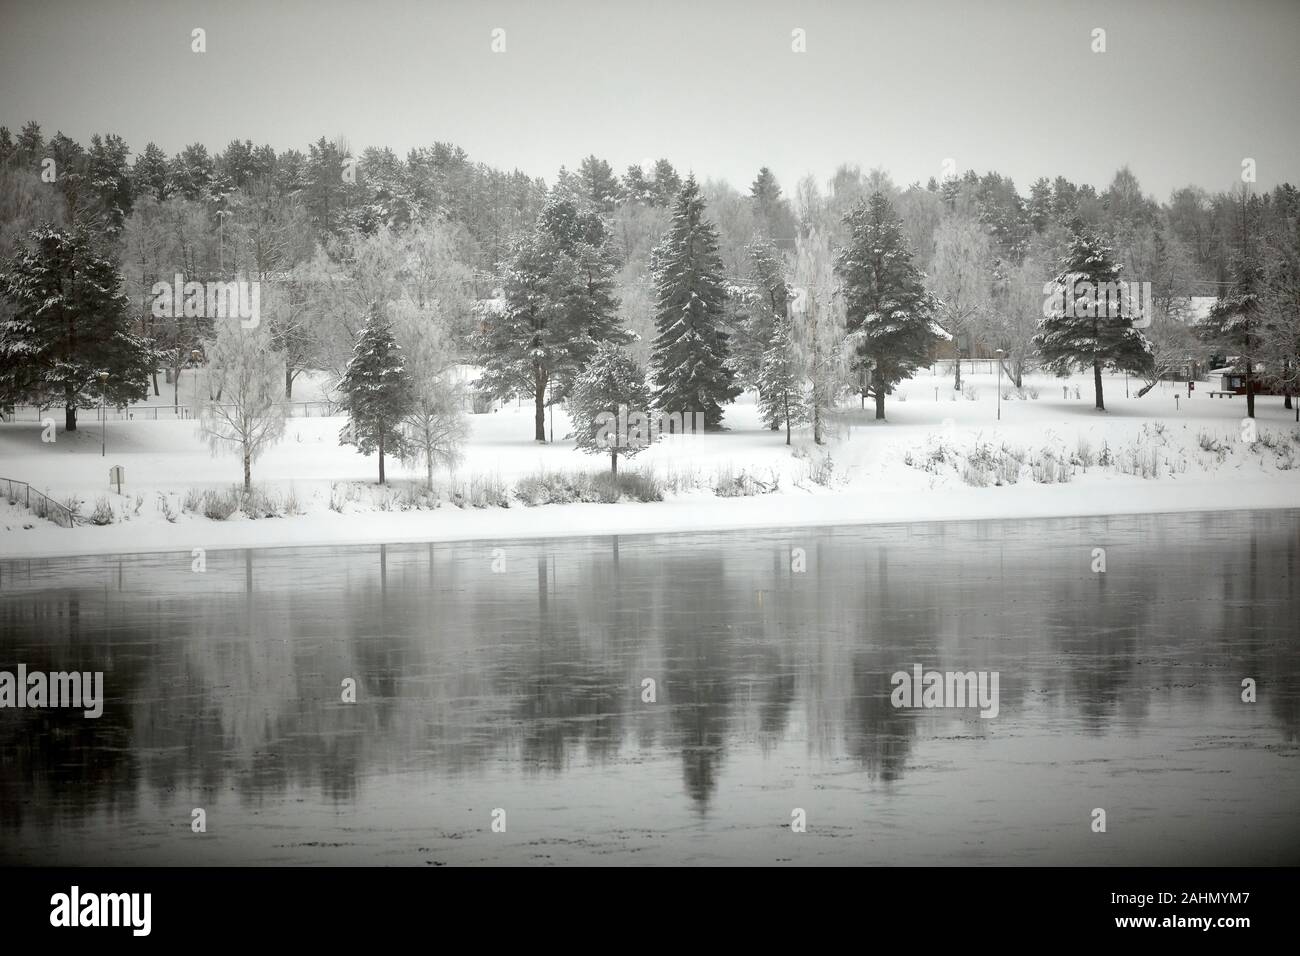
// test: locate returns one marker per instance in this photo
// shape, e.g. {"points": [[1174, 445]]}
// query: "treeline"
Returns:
{"points": [[835, 289]]}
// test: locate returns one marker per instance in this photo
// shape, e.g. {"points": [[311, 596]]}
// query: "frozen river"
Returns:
{"points": [[509, 682]]}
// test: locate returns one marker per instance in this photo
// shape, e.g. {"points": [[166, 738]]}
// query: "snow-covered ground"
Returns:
{"points": [[934, 459]]}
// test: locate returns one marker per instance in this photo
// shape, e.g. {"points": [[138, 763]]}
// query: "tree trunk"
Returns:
{"points": [[248, 475], [539, 404], [613, 462], [69, 410], [1096, 382], [956, 382], [156, 393], [381, 459], [880, 398], [288, 381], [787, 418], [1250, 390], [1145, 389], [1286, 398], [430, 466], [176, 391]]}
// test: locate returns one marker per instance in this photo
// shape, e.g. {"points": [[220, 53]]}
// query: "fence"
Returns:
{"points": [[972, 366], [44, 507], [158, 412]]}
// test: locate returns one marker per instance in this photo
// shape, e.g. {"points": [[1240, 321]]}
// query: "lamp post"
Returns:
{"points": [[999, 353], [195, 356], [103, 382]]}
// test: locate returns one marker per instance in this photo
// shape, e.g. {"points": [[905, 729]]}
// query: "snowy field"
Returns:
{"points": [[933, 459]]}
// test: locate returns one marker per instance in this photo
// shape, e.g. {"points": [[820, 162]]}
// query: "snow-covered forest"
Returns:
{"points": [[428, 305]]}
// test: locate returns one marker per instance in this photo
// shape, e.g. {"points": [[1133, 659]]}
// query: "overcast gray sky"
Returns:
{"points": [[1183, 92]]}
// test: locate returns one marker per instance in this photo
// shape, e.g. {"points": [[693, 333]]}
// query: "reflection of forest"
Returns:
{"points": [[232, 678]]}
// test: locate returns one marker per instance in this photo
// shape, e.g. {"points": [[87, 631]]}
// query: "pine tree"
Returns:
{"points": [[609, 394], [559, 305], [600, 186], [67, 336], [782, 399], [888, 309], [377, 392], [1091, 317], [690, 356]]}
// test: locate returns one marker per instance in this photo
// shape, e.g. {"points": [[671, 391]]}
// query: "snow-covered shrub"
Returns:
{"points": [[971, 392], [165, 506], [743, 485], [220, 505], [72, 503], [103, 513], [1083, 454]]}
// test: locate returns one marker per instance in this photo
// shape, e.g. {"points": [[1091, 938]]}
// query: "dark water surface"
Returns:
{"points": [[522, 690]]}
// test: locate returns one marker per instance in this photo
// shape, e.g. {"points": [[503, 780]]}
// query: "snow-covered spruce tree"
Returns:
{"points": [[761, 305], [608, 395], [247, 372], [377, 392], [888, 311], [559, 305], [690, 356], [67, 323], [1236, 323], [782, 397], [1088, 316]]}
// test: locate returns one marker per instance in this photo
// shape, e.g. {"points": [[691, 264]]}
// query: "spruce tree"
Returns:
{"points": [[1236, 323], [1088, 317], [67, 335], [888, 309], [782, 399], [610, 392], [690, 354], [377, 392], [559, 306]]}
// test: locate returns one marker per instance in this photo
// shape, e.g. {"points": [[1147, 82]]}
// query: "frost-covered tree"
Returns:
{"points": [[761, 303], [1088, 316], [690, 358], [818, 327], [887, 307], [960, 279], [377, 392], [436, 425], [608, 395], [66, 335], [245, 370]]}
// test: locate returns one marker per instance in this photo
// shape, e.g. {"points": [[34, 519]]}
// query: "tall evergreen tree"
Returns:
{"points": [[68, 325], [690, 355], [600, 186], [377, 392], [559, 305], [1236, 323], [1088, 318], [888, 310]]}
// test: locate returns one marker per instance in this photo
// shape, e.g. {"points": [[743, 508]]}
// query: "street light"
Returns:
{"points": [[103, 383], [195, 356], [999, 353]]}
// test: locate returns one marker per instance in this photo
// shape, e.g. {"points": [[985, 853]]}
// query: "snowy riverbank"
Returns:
{"points": [[1050, 456]]}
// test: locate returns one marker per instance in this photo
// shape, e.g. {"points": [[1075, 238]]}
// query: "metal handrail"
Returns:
{"points": [[46, 507]]}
